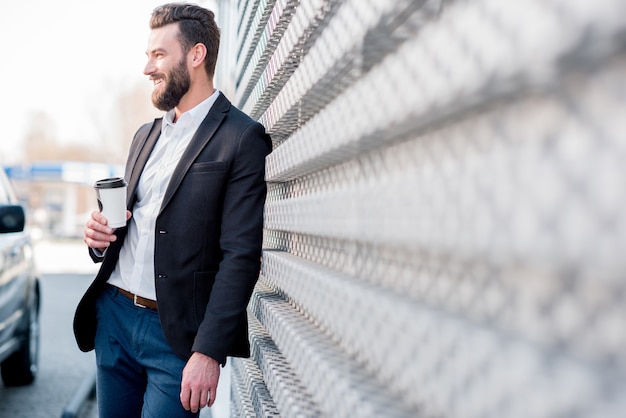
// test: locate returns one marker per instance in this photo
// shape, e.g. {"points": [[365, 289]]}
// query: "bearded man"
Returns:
{"points": [[168, 304]]}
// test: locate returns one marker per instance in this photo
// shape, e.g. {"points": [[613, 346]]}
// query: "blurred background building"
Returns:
{"points": [[59, 195]]}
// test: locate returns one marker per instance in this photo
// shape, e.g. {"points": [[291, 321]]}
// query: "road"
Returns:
{"points": [[66, 271]]}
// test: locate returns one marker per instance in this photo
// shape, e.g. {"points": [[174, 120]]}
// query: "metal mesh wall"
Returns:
{"points": [[445, 227]]}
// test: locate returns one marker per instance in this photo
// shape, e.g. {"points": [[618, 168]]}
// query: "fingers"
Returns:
{"points": [[204, 398], [199, 382], [194, 400], [185, 398], [210, 398], [97, 234]]}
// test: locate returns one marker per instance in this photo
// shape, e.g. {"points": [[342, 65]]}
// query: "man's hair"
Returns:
{"points": [[196, 25]]}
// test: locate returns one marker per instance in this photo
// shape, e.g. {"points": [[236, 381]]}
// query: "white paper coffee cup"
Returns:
{"points": [[111, 194]]}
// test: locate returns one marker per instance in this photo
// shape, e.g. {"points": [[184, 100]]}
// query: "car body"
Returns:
{"points": [[20, 293]]}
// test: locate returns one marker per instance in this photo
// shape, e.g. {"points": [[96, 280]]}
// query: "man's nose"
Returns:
{"points": [[150, 68]]}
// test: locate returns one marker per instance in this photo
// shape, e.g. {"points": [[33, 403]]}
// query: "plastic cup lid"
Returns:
{"points": [[110, 183]]}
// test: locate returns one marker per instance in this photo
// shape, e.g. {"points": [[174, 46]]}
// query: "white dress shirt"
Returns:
{"points": [[135, 269]]}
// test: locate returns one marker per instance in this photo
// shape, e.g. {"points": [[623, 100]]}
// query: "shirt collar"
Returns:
{"points": [[193, 116]]}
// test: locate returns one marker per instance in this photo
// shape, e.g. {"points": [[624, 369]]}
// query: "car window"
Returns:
{"points": [[6, 190]]}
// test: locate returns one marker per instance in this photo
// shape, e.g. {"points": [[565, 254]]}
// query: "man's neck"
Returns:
{"points": [[196, 95]]}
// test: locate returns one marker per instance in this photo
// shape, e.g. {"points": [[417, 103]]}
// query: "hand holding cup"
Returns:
{"points": [[111, 194]]}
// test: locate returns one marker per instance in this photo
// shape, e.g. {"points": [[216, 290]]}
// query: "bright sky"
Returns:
{"points": [[65, 58]]}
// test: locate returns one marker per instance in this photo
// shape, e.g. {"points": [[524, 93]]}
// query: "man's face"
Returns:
{"points": [[167, 67]]}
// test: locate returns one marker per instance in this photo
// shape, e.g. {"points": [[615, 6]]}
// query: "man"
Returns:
{"points": [[168, 304]]}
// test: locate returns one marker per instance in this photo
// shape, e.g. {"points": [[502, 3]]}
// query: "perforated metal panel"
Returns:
{"points": [[445, 222]]}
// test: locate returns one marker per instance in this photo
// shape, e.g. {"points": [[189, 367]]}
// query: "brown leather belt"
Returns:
{"points": [[138, 300]]}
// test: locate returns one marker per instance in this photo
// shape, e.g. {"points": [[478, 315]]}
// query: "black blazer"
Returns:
{"points": [[208, 236]]}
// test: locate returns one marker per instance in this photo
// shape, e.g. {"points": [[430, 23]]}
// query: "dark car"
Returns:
{"points": [[19, 293]]}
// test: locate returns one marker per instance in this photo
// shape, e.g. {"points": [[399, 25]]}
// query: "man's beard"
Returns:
{"points": [[176, 85]]}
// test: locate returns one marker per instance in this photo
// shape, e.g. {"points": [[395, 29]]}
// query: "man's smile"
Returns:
{"points": [[157, 80]]}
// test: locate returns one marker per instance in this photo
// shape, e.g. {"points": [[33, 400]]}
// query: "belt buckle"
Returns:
{"points": [[137, 303]]}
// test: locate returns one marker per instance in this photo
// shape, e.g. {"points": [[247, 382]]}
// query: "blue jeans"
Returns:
{"points": [[138, 373]]}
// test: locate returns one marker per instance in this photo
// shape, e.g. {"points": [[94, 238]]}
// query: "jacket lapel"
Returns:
{"points": [[200, 139], [140, 158]]}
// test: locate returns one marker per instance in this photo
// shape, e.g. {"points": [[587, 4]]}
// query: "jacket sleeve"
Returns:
{"points": [[241, 242], [96, 255]]}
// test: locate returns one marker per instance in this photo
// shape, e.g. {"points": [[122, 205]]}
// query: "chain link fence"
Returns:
{"points": [[445, 227]]}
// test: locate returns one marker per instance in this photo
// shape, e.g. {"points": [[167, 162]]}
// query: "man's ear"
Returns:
{"points": [[198, 54]]}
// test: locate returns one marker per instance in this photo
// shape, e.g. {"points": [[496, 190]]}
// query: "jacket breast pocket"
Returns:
{"points": [[202, 189], [208, 167]]}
